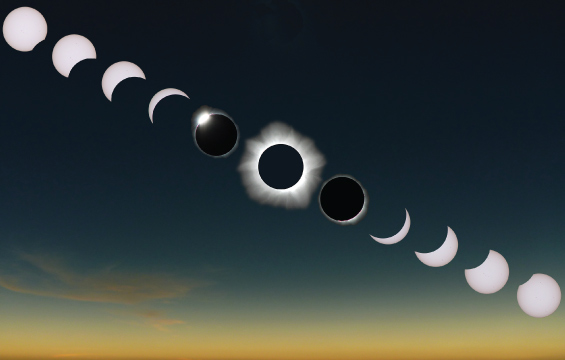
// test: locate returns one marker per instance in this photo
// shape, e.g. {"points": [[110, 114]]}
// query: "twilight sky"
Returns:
{"points": [[119, 239]]}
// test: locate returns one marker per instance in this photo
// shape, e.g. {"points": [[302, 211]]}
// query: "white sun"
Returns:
{"points": [[297, 196]]}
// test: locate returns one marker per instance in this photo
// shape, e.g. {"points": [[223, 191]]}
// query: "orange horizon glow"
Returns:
{"points": [[390, 340]]}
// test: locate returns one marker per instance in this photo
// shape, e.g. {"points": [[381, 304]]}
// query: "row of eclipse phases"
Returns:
{"points": [[342, 199]]}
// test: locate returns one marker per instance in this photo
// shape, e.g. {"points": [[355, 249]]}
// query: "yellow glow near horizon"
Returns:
{"points": [[390, 339]]}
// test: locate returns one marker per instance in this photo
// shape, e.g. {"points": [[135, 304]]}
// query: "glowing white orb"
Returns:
{"points": [[540, 296], [118, 72], [24, 28], [71, 50], [490, 276]]}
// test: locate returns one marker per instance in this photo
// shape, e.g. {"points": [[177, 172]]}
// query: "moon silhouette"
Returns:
{"points": [[490, 276], [444, 254], [399, 235], [118, 72], [343, 200], [24, 28], [160, 95], [281, 166], [540, 296], [69, 51]]}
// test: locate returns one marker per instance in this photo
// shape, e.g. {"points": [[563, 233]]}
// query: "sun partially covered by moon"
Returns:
{"points": [[118, 72], [24, 28], [299, 194], [160, 96], [214, 132], [490, 276], [69, 51], [540, 296], [442, 255]]}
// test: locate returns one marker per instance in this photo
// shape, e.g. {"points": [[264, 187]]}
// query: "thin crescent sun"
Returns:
{"points": [[160, 96], [398, 236], [297, 196]]}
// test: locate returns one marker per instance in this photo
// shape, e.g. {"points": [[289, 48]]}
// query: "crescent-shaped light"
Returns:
{"points": [[118, 72], [71, 50], [160, 95], [24, 28], [399, 235], [490, 276], [444, 254], [540, 296]]}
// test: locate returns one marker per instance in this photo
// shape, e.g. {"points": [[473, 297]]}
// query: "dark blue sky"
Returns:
{"points": [[453, 110]]}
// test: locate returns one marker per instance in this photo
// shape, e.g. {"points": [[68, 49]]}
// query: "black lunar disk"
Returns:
{"points": [[280, 166], [217, 136], [343, 200]]}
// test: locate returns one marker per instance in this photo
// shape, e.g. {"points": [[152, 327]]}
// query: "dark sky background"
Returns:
{"points": [[451, 109]]}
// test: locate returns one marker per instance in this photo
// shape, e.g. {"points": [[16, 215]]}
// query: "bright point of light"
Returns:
{"points": [[203, 118]]}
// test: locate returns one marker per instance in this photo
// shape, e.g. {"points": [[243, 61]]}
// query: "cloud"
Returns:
{"points": [[47, 275], [149, 318], [161, 324]]}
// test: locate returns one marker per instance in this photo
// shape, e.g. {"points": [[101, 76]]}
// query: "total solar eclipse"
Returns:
{"points": [[343, 200], [281, 166], [302, 184], [215, 134]]}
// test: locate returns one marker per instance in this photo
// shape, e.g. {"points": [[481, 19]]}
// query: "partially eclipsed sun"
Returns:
{"points": [[297, 196]]}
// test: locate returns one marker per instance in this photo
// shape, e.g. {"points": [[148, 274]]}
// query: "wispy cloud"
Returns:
{"points": [[156, 319], [48, 275]]}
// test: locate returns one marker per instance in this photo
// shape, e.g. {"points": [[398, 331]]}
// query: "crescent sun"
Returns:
{"points": [[69, 51], [118, 72], [161, 95], [444, 254], [399, 235], [490, 276]]}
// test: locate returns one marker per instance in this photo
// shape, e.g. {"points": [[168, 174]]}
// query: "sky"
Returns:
{"points": [[120, 239]]}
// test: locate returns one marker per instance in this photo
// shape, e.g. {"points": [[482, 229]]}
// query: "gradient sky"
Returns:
{"points": [[120, 239]]}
